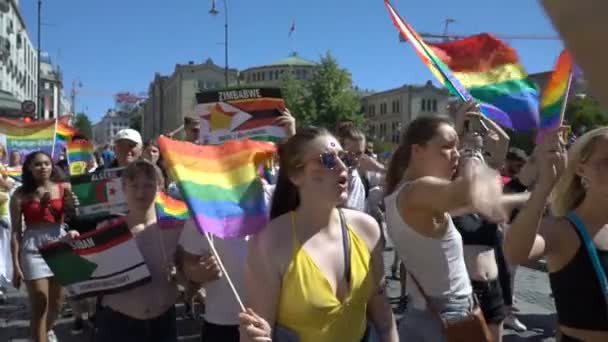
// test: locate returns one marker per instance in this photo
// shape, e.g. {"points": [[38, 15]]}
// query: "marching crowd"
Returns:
{"points": [[461, 208]]}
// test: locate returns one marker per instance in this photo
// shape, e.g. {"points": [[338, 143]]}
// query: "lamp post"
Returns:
{"points": [[38, 85], [214, 11]]}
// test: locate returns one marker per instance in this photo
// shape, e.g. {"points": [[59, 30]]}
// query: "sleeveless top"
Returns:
{"points": [[35, 213], [308, 305], [579, 300], [437, 264]]}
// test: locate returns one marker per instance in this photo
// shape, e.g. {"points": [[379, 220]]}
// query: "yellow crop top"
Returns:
{"points": [[308, 305]]}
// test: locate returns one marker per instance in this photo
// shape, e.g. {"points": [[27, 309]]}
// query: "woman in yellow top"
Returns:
{"points": [[297, 270]]}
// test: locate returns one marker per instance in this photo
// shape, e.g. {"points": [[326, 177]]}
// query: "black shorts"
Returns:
{"points": [[490, 299], [219, 333]]}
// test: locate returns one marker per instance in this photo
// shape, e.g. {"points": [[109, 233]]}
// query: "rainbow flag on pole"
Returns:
{"points": [[170, 212], [479, 67], [220, 183], [555, 96]]}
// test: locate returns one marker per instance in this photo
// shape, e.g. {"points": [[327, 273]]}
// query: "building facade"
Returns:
{"points": [[51, 89], [18, 61], [273, 75], [108, 126], [171, 98], [388, 112]]}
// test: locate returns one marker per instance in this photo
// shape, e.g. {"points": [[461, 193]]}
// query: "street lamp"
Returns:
{"points": [[214, 11]]}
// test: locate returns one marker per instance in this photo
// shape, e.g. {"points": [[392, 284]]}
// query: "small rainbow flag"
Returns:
{"points": [[555, 97], [80, 151], [14, 172], [170, 212], [480, 67], [64, 132], [221, 184]]}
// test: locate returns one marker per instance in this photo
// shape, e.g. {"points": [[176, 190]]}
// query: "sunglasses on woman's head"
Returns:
{"points": [[330, 159]]}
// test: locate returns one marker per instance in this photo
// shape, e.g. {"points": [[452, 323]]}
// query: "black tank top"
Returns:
{"points": [[476, 231], [579, 298]]}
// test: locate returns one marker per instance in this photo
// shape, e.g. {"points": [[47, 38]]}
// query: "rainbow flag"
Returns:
{"points": [[64, 132], [479, 67], [555, 96], [79, 150], [170, 212], [220, 183], [14, 172], [25, 137]]}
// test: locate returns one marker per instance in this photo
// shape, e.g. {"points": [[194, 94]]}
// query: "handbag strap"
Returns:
{"points": [[345, 245], [425, 296], [591, 251]]}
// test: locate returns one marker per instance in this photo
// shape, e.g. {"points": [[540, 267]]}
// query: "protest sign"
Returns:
{"points": [[100, 194], [243, 113], [104, 261]]}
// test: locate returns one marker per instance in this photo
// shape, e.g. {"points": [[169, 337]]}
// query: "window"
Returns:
{"points": [[276, 74], [434, 106], [423, 105]]}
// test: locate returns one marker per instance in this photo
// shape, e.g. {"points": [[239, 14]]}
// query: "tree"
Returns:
{"points": [[82, 122], [584, 113], [135, 122], [325, 100], [332, 95]]}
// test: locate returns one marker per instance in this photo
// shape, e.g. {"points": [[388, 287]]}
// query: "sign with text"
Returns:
{"points": [[100, 193], [103, 261], [244, 113]]}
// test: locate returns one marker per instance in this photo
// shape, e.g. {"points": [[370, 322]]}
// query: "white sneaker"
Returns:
{"points": [[51, 337], [513, 323]]}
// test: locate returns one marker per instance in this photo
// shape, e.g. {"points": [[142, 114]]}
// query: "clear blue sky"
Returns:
{"points": [[118, 45]]}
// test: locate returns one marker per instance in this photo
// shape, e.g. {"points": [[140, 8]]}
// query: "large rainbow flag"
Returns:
{"points": [[28, 137], [63, 135], [170, 212], [555, 96], [480, 67], [220, 183]]}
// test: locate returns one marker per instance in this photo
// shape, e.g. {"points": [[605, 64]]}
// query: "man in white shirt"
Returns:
{"points": [[221, 321]]}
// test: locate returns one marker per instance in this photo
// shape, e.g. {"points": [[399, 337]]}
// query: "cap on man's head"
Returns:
{"points": [[128, 134]]}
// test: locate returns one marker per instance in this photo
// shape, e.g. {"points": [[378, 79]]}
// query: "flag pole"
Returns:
{"points": [[54, 141], [565, 104]]}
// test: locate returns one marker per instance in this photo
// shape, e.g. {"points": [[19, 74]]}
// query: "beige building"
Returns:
{"points": [[273, 74], [387, 112], [171, 98]]}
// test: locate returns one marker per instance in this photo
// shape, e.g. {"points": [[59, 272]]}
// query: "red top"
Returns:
{"points": [[52, 212]]}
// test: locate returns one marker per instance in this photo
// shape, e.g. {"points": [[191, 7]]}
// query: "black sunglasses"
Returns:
{"points": [[330, 159]]}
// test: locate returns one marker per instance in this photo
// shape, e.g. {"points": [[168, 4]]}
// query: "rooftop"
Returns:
{"points": [[293, 60]]}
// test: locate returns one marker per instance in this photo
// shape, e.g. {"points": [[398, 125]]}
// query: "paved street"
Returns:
{"points": [[532, 298]]}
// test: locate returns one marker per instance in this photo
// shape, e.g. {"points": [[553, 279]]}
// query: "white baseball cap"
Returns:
{"points": [[128, 134]]}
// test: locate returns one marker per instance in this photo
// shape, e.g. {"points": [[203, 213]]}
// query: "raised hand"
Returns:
{"points": [[254, 327], [485, 190], [552, 158]]}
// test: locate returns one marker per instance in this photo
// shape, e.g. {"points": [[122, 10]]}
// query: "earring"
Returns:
{"points": [[585, 182]]}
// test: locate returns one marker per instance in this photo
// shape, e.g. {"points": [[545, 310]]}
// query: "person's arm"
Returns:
{"points": [[582, 26], [378, 308], [496, 143], [197, 263], [475, 192], [16, 231], [522, 241], [263, 282]]}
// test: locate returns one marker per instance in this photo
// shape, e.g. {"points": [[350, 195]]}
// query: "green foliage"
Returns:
{"points": [[135, 122], [584, 113], [82, 122], [325, 100]]}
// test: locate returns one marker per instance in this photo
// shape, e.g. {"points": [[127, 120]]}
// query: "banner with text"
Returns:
{"points": [[25, 138], [104, 261], [100, 193], [244, 113]]}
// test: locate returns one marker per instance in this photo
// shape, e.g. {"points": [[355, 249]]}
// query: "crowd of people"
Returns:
{"points": [[461, 208]]}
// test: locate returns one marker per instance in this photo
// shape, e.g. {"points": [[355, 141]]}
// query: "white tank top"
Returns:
{"points": [[437, 264]]}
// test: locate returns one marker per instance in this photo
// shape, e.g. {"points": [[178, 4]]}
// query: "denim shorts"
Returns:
{"points": [[31, 261], [424, 326]]}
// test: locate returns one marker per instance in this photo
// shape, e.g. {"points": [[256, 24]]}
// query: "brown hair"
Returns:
{"points": [[286, 197], [418, 132], [348, 130], [143, 168]]}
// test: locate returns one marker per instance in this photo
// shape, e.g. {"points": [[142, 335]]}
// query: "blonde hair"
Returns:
{"points": [[569, 193]]}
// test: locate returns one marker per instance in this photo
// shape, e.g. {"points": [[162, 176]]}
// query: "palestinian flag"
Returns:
{"points": [[242, 113], [100, 193], [103, 261]]}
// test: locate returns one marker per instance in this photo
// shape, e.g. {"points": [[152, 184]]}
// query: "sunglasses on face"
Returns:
{"points": [[330, 159]]}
